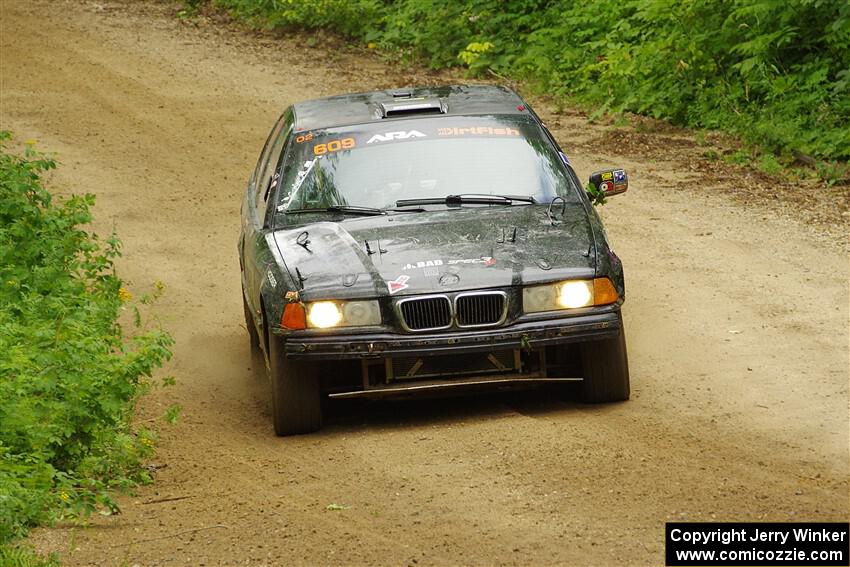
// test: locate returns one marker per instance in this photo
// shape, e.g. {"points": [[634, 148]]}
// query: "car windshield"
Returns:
{"points": [[381, 164]]}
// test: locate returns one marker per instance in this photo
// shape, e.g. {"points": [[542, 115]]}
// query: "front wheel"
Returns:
{"points": [[606, 370], [296, 398]]}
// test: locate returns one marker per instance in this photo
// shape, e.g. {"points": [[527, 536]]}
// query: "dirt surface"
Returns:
{"points": [[737, 317]]}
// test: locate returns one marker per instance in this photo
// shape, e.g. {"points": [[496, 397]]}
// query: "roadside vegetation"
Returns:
{"points": [[776, 74], [69, 377]]}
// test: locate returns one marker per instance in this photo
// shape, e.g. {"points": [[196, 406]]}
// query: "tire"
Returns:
{"points": [[605, 365], [296, 398], [253, 336]]}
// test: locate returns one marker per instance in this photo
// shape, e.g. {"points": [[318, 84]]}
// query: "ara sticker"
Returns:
{"points": [[486, 260], [272, 279], [389, 136], [291, 296], [607, 176], [619, 176], [398, 284], [425, 264]]}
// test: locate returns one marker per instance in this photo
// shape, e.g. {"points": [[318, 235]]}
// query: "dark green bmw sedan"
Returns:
{"points": [[426, 240]]}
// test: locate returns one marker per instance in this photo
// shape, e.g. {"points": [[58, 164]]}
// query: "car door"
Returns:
{"points": [[255, 254]]}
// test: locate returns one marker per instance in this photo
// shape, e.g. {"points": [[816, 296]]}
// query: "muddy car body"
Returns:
{"points": [[397, 242]]}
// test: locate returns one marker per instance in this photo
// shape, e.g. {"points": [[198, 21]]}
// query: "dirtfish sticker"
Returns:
{"points": [[477, 131], [272, 279], [390, 136], [398, 284]]}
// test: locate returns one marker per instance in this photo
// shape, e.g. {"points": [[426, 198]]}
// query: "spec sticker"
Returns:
{"points": [[334, 146], [389, 136], [607, 176], [398, 284], [619, 176], [425, 264], [272, 279], [291, 296], [486, 260], [477, 131]]}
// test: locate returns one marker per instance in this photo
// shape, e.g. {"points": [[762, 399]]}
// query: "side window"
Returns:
{"points": [[264, 155], [267, 176]]}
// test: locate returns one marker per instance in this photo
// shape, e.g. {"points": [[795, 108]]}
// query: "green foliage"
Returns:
{"points": [[343, 17], [68, 375], [18, 556], [597, 196], [775, 72]]}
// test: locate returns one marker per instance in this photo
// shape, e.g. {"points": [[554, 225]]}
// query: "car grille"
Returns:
{"points": [[426, 313], [480, 309]]}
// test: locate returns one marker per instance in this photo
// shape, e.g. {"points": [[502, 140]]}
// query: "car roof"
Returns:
{"points": [[366, 107]]}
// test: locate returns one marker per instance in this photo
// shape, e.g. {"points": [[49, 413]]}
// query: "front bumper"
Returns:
{"points": [[526, 335]]}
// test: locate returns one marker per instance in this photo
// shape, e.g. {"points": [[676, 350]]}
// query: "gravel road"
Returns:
{"points": [[737, 319]]}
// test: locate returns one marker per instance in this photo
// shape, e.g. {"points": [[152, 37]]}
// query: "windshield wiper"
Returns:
{"points": [[344, 209], [472, 198]]}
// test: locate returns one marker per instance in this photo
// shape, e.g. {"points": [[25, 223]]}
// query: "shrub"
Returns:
{"points": [[775, 73], [68, 376]]}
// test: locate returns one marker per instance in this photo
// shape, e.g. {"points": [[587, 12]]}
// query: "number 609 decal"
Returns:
{"points": [[333, 146]]}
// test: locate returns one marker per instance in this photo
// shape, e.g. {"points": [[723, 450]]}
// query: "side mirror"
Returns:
{"points": [[610, 181]]}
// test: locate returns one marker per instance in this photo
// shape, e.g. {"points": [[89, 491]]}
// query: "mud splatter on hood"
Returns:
{"points": [[438, 251]]}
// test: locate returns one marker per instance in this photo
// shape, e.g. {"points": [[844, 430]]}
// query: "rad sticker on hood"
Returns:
{"points": [[398, 284], [485, 260], [425, 264]]}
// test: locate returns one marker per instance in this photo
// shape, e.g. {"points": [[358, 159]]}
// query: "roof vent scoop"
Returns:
{"points": [[409, 106]]}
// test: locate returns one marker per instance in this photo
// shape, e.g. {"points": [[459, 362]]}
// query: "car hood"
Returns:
{"points": [[437, 251]]}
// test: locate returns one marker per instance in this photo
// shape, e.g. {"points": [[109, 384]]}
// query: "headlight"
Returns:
{"points": [[568, 295], [361, 313], [327, 314], [575, 294], [323, 314]]}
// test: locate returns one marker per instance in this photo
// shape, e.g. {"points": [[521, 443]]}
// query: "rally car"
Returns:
{"points": [[421, 240]]}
